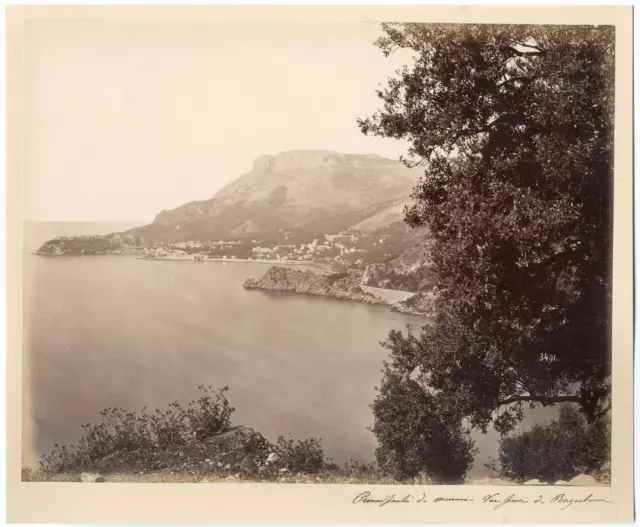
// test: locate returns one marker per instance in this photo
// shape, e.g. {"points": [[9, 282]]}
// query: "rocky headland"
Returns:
{"points": [[76, 245], [420, 304], [345, 286], [334, 285]]}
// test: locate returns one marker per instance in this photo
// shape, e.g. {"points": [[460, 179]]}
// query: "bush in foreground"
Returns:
{"points": [[558, 450], [302, 456], [196, 439], [417, 435], [126, 431]]}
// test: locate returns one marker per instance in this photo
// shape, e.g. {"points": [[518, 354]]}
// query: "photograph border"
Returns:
{"points": [[242, 503]]}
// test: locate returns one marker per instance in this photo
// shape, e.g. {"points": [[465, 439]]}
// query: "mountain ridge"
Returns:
{"points": [[288, 190]]}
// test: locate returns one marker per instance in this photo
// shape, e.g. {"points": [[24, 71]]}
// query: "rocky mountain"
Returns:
{"points": [[307, 191]]}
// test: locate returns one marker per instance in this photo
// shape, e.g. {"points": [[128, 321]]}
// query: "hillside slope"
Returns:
{"points": [[291, 190], [385, 217]]}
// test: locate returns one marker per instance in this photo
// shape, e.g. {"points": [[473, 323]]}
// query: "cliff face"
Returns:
{"points": [[307, 180], [420, 304], [336, 285], [287, 190]]}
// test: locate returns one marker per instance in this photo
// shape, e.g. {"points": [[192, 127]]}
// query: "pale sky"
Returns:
{"points": [[125, 118]]}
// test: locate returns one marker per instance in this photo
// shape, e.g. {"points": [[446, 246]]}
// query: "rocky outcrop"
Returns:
{"points": [[334, 285], [420, 304], [240, 450], [374, 274], [344, 286]]}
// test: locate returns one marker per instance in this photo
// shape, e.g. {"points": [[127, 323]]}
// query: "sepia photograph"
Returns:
{"points": [[314, 251]]}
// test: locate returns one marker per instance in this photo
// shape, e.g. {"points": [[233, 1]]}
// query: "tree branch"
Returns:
{"points": [[412, 164], [542, 399], [524, 53], [538, 48], [601, 413], [483, 129]]}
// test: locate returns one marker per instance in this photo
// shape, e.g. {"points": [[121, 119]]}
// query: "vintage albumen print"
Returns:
{"points": [[302, 251]]}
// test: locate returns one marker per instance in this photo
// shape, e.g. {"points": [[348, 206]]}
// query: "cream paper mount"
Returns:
{"points": [[47, 502]]}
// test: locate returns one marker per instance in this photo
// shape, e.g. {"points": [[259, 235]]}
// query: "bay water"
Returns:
{"points": [[104, 331]]}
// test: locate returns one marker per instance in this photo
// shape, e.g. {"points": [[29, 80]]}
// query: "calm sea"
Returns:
{"points": [[117, 331]]}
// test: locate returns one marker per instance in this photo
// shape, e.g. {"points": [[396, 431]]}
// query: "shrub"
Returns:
{"points": [[169, 427], [143, 434], [417, 435], [210, 415], [302, 456], [560, 449], [124, 431], [359, 469]]}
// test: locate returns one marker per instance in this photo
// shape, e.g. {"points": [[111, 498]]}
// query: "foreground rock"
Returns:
{"points": [[87, 477], [238, 452]]}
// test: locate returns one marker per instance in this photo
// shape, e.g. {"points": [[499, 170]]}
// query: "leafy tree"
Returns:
{"points": [[417, 435], [514, 127]]}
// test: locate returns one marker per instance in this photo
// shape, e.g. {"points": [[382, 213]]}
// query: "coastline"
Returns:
{"points": [[242, 260], [338, 286], [239, 260]]}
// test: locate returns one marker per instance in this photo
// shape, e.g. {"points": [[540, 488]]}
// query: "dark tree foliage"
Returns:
{"points": [[417, 436], [514, 126], [561, 449]]}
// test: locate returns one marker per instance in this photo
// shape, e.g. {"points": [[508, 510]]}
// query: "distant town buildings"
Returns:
{"points": [[345, 248]]}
